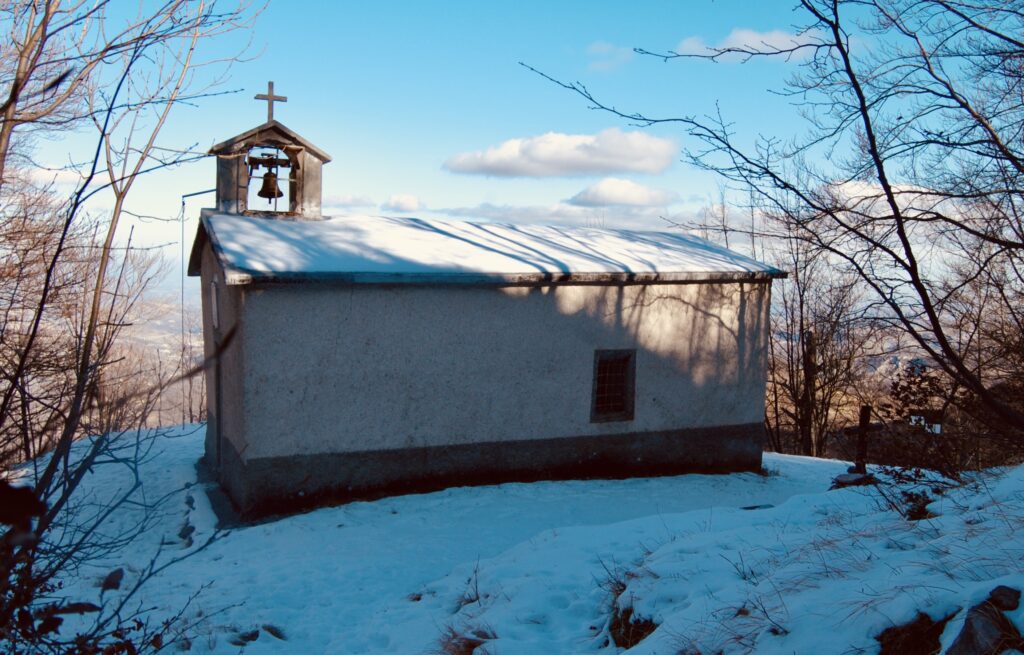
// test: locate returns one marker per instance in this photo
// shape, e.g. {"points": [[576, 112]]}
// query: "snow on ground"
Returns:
{"points": [[535, 567]]}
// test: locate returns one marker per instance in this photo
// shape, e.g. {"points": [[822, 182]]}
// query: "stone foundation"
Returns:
{"points": [[259, 487]]}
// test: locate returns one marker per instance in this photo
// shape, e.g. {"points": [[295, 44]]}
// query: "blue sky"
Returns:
{"points": [[408, 97]]}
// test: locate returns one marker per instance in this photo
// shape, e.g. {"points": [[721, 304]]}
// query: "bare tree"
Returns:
{"points": [[64, 375], [911, 165], [56, 49], [823, 338]]}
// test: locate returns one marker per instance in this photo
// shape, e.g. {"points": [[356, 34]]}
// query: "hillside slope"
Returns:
{"points": [[568, 567]]}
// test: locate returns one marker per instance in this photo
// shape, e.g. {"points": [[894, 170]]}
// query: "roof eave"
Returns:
{"points": [[237, 277], [206, 235], [232, 145], [195, 257]]}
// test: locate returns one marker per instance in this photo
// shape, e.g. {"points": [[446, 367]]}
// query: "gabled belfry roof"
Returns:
{"points": [[270, 133], [383, 250]]}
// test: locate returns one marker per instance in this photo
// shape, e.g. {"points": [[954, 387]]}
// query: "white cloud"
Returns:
{"points": [[646, 218], [693, 45], [523, 213], [57, 176], [555, 154], [605, 57], [402, 202], [348, 200], [616, 192], [747, 39]]}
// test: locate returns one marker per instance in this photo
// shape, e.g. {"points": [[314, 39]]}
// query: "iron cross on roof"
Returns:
{"points": [[270, 98]]}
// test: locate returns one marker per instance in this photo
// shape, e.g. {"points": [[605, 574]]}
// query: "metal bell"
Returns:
{"points": [[269, 189]]}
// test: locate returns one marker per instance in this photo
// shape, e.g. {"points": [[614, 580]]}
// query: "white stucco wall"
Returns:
{"points": [[225, 412], [330, 368]]}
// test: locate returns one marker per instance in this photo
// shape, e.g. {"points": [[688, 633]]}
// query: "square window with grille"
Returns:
{"points": [[614, 385]]}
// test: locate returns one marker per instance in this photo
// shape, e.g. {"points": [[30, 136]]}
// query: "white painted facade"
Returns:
{"points": [[408, 367]]}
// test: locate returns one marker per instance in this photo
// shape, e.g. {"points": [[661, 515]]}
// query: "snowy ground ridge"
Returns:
{"points": [[553, 567]]}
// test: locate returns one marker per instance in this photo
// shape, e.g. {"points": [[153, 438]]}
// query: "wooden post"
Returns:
{"points": [[860, 466], [810, 366]]}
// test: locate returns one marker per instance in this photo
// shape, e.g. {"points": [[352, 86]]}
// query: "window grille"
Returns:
{"points": [[614, 385]]}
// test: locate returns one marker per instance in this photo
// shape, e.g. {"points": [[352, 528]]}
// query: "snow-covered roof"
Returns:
{"points": [[383, 250]]}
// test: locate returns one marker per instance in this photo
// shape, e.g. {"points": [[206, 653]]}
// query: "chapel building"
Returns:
{"points": [[364, 355]]}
